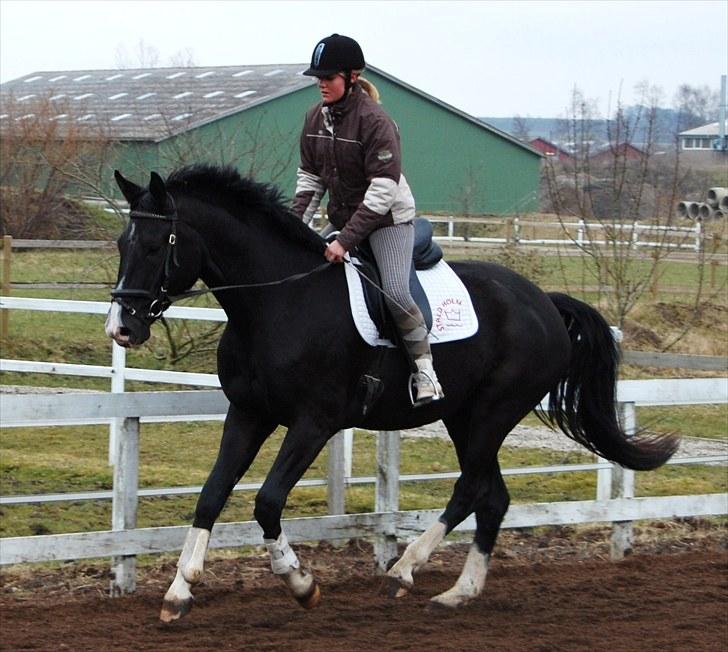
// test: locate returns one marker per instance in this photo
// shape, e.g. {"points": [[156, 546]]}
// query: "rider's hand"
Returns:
{"points": [[335, 252]]}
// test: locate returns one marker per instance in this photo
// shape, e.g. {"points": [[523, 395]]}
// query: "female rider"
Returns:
{"points": [[350, 148]]}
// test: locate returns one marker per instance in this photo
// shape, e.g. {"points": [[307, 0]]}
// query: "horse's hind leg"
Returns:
{"points": [[489, 516], [243, 435], [477, 434], [418, 551]]}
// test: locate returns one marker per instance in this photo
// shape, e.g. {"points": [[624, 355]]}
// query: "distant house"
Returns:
{"points": [[548, 148], [622, 151], [704, 139]]}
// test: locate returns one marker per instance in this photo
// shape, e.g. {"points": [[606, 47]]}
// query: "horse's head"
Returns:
{"points": [[155, 263]]}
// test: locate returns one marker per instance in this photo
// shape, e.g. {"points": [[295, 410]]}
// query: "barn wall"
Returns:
{"points": [[454, 165]]}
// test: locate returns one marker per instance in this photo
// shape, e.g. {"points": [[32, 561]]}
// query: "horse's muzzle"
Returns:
{"points": [[126, 330]]}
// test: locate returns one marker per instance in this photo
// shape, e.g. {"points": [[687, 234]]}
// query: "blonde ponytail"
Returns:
{"points": [[370, 89]]}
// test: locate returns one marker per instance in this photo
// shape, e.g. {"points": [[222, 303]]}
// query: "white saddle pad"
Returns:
{"points": [[453, 315]]}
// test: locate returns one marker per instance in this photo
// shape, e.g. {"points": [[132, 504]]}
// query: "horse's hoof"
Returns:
{"points": [[436, 605], [174, 610], [312, 598], [447, 601]]}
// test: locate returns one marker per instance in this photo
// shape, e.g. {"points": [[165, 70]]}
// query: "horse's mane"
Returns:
{"points": [[243, 198]]}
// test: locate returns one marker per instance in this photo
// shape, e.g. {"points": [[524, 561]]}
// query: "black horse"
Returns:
{"points": [[290, 355]]}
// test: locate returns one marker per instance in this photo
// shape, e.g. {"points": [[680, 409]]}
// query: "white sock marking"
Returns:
{"points": [[471, 581], [417, 553], [192, 560]]}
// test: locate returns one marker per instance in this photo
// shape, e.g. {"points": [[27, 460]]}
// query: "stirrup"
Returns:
{"points": [[426, 382]]}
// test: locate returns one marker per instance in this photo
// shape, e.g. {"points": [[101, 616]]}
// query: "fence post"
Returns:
{"points": [[348, 452], [698, 236], [386, 496], [7, 258], [335, 488], [580, 233], [623, 531], [124, 505], [118, 366], [604, 481]]}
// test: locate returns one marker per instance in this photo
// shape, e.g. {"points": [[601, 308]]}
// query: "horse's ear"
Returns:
{"points": [[158, 189], [129, 189]]}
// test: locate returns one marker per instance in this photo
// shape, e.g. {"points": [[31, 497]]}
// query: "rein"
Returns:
{"points": [[287, 279]]}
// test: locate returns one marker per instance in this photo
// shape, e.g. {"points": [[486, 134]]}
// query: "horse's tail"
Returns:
{"points": [[583, 402]]}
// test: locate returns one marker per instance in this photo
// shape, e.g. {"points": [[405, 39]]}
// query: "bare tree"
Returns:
{"points": [[696, 106], [144, 55], [259, 149], [43, 146], [183, 58], [616, 193], [520, 128]]}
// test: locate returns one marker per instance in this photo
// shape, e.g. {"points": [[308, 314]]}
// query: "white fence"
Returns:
{"points": [[516, 231], [581, 233], [614, 501]]}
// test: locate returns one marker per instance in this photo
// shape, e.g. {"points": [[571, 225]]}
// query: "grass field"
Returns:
{"points": [[70, 459], [44, 460]]}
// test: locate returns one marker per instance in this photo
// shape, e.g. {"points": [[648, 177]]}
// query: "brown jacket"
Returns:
{"points": [[352, 150]]}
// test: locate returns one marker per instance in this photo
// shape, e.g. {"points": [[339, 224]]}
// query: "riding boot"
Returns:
{"points": [[425, 383]]}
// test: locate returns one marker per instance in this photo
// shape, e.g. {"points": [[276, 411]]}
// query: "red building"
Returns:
{"points": [[548, 148], [623, 151]]}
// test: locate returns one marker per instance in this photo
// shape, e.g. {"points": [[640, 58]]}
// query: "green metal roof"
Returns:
{"points": [[150, 104]]}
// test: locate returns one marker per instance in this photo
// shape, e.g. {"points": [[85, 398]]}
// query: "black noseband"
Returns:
{"points": [[161, 301]]}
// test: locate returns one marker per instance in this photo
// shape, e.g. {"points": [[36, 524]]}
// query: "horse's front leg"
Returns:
{"points": [[302, 444], [242, 437]]}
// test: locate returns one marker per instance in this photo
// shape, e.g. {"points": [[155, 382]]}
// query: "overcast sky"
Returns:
{"points": [[498, 58]]}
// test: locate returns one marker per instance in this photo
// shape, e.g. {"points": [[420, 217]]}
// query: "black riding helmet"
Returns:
{"points": [[335, 53]]}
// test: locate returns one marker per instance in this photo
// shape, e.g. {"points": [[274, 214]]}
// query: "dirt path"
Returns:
{"points": [[546, 592]]}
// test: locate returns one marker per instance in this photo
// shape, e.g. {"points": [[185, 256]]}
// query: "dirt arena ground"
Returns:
{"points": [[554, 590]]}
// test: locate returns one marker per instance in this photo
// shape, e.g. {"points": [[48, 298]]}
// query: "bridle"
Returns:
{"points": [[162, 301]]}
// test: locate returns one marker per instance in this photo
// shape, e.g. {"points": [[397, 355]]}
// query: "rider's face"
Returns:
{"points": [[332, 88]]}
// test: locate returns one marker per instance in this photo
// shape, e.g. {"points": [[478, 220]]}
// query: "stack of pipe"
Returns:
{"points": [[714, 208]]}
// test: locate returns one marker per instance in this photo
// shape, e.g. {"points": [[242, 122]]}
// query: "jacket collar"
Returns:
{"points": [[338, 110]]}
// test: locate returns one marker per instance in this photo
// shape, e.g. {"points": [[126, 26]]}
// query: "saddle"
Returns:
{"points": [[426, 254]]}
